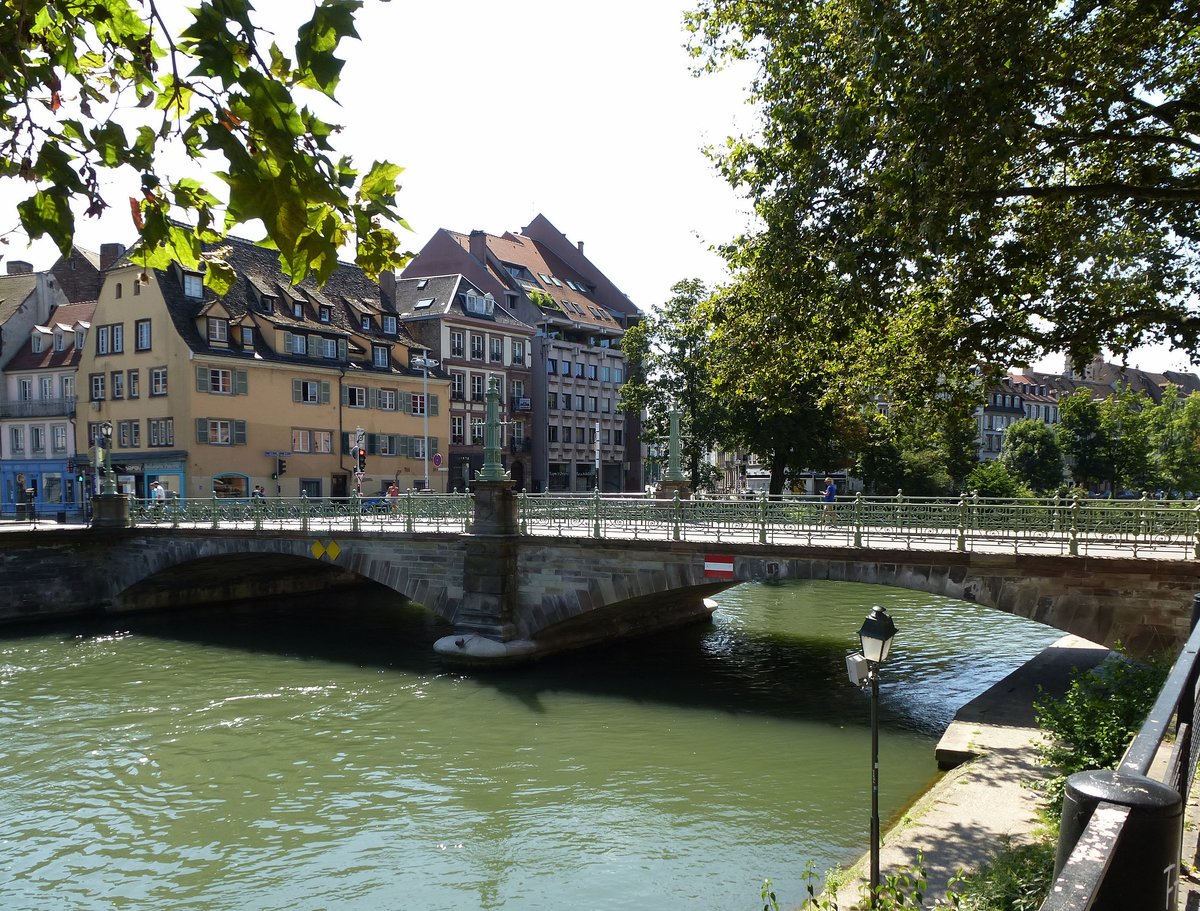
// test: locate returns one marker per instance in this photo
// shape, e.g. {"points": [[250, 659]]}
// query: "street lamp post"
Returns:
{"points": [[109, 487], [875, 638], [425, 362]]}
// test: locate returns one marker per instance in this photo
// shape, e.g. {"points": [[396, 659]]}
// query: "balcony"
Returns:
{"points": [[521, 403], [515, 446], [43, 408]]}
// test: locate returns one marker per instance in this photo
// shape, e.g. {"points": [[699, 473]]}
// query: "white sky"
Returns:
{"points": [[584, 111]]}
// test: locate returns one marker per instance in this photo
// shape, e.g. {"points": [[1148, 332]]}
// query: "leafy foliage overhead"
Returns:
{"points": [[981, 179], [89, 88]]}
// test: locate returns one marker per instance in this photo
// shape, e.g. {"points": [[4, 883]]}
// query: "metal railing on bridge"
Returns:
{"points": [[1076, 526]]}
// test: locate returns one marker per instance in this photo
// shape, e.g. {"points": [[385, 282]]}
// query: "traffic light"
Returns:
{"points": [[79, 475], [280, 467], [362, 459]]}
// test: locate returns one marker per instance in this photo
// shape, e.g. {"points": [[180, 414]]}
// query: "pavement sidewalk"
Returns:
{"points": [[983, 801]]}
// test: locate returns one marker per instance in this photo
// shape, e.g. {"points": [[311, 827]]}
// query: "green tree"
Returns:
{"points": [[93, 91], [1084, 439], [1175, 440], [1031, 454], [960, 181], [670, 347], [993, 479]]}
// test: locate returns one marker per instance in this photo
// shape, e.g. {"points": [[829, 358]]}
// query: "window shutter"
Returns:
{"points": [[324, 392], [297, 390], [314, 345], [343, 350], [404, 446], [406, 402], [372, 397], [241, 383], [433, 404], [201, 430], [433, 446], [394, 443], [239, 433], [202, 379], [345, 443], [346, 398], [287, 342], [372, 444]]}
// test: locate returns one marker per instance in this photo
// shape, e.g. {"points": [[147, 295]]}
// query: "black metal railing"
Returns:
{"points": [[1100, 852]]}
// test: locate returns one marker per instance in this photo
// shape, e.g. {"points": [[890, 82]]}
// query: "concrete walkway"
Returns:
{"points": [[984, 800]]}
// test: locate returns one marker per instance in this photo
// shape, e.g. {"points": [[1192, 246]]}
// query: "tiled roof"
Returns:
{"points": [[14, 291], [447, 296], [68, 315]]}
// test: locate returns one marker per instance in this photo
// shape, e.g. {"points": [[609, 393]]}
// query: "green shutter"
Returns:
{"points": [[394, 441], [201, 430], [287, 342], [202, 379], [406, 402], [324, 392], [372, 444], [433, 446], [345, 444], [346, 401], [404, 446], [241, 383], [433, 404], [297, 390], [343, 350], [314, 345], [372, 397], [239, 433]]}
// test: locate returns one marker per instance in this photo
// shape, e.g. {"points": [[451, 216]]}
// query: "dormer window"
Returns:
{"points": [[389, 325], [480, 306], [366, 323], [36, 342], [379, 356], [268, 304], [60, 342], [324, 314], [218, 330], [193, 284], [297, 310], [423, 304], [80, 338]]}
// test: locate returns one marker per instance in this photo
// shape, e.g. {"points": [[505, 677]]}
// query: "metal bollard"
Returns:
{"points": [[1144, 872]]}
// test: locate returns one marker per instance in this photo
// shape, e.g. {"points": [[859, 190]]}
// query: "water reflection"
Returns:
{"points": [[315, 754]]}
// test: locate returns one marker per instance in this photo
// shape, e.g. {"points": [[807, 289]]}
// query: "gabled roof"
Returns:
{"points": [[446, 297], [67, 316], [14, 291]]}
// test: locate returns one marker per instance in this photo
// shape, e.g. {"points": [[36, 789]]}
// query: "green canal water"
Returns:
{"points": [[314, 755]]}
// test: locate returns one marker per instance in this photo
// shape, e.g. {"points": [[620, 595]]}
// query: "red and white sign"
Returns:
{"points": [[718, 566]]}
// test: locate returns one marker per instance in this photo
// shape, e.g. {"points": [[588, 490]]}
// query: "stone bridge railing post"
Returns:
{"points": [[762, 517], [962, 523], [408, 511], [356, 511], [858, 519], [304, 508], [216, 510], [1073, 534], [522, 513], [676, 516], [596, 513]]}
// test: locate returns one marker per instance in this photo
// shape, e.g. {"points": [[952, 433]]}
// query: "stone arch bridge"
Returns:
{"points": [[515, 597]]}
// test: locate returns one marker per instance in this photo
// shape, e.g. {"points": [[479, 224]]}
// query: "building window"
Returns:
{"points": [[218, 330], [456, 343], [297, 310], [220, 381], [605, 374], [16, 440], [324, 314], [142, 332], [60, 341], [132, 378], [323, 441], [356, 396], [579, 403], [118, 384], [301, 440], [497, 350], [47, 384], [579, 367], [477, 387], [618, 375], [247, 337], [591, 371], [158, 380], [551, 366], [565, 368], [58, 435], [518, 352], [552, 401], [35, 343], [96, 380], [68, 387], [295, 344], [477, 425], [37, 439], [130, 434], [456, 429], [476, 347], [389, 325], [327, 348], [366, 323], [308, 392], [220, 432], [193, 284], [456, 386], [606, 405], [518, 389], [25, 389], [161, 431], [418, 403], [593, 403], [379, 356], [387, 399], [567, 433], [617, 436]]}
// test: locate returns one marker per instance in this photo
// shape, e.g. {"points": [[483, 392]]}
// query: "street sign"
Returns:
{"points": [[276, 454], [437, 460]]}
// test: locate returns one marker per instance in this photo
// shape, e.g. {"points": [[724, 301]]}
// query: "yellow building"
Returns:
{"points": [[266, 387]]}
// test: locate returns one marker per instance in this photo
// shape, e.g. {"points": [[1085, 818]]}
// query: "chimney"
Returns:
{"points": [[109, 254], [580, 244], [387, 287], [478, 245], [19, 267]]}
